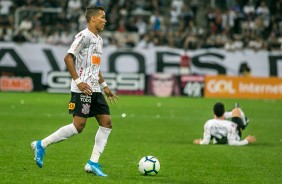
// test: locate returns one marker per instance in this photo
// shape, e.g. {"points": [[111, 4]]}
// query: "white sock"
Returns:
{"points": [[227, 115], [101, 139], [60, 135]]}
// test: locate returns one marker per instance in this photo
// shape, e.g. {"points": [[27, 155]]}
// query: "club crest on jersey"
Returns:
{"points": [[71, 106], [85, 108]]}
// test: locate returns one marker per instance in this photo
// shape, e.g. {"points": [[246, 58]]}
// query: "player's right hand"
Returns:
{"points": [[85, 88], [197, 141]]}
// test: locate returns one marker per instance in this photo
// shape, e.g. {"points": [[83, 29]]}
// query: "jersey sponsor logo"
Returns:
{"points": [[96, 60], [71, 106], [85, 108]]}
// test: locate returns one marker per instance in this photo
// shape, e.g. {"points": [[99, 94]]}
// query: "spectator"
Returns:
{"points": [[65, 38], [156, 21], [6, 15], [73, 8], [141, 25], [174, 18], [178, 5], [256, 43], [245, 70], [26, 24], [263, 11], [5, 6], [246, 19], [249, 9], [19, 37], [53, 38], [6, 34]]}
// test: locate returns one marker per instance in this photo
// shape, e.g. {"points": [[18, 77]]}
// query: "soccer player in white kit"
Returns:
{"points": [[221, 130], [83, 62]]}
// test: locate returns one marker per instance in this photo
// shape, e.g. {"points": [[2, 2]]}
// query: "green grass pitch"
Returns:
{"points": [[163, 127]]}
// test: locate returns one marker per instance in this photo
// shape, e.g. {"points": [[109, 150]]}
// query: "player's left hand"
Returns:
{"points": [[197, 141], [109, 95], [251, 139]]}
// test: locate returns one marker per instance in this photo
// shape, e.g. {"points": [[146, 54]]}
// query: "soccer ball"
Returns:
{"points": [[149, 165]]}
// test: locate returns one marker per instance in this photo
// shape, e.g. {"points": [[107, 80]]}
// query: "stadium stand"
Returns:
{"points": [[187, 24]]}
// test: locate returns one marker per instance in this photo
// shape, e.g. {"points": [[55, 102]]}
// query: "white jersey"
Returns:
{"points": [[222, 128], [87, 49]]}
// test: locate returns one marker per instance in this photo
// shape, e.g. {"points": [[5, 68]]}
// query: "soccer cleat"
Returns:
{"points": [[95, 168], [236, 105], [39, 153], [246, 121]]}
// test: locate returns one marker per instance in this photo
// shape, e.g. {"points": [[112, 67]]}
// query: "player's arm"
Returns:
{"points": [[109, 95], [75, 48], [207, 136], [206, 139], [227, 115], [69, 60], [233, 142], [84, 87]]}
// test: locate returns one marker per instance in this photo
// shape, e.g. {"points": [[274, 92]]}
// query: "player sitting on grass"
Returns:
{"points": [[223, 131]]}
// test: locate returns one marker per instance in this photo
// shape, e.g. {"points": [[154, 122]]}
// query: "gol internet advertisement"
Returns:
{"points": [[243, 87]]}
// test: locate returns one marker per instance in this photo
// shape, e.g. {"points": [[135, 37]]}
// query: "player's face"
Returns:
{"points": [[100, 20]]}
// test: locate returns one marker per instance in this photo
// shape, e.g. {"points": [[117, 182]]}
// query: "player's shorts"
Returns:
{"points": [[86, 106], [216, 140], [240, 128], [240, 124]]}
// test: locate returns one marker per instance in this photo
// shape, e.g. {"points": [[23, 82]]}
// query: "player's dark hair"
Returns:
{"points": [[92, 11], [218, 109]]}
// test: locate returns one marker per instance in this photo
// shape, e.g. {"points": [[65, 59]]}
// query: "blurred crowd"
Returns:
{"points": [[186, 24]]}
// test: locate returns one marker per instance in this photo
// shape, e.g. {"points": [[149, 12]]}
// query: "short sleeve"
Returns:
{"points": [[207, 134], [77, 44]]}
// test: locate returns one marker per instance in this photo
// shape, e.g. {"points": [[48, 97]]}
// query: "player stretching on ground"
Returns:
{"points": [[224, 131], [83, 62]]}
